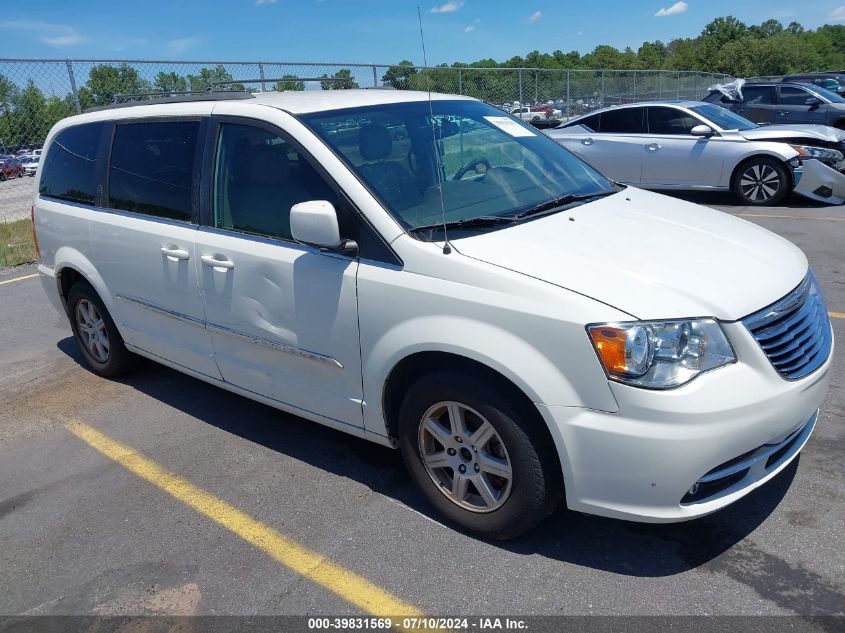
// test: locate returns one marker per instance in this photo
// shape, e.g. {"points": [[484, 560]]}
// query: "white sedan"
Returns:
{"points": [[700, 146]]}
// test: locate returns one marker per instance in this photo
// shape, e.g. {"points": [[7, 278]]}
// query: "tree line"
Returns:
{"points": [[725, 45]]}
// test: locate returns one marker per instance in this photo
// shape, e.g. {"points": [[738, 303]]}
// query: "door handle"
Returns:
{"points": [[211, 260], [782, 113], [587, 141], [174, 253], [652, 147]]}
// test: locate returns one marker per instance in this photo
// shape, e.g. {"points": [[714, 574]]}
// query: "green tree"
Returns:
{"points": [[170, 82], [397, 76], [341, 80], [105, 81], [8, 90], [208, 76], [290, 82]]}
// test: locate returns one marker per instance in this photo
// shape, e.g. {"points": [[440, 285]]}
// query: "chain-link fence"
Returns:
{"points": [[36, 93]]}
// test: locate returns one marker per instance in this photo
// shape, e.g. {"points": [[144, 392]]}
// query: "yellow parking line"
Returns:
{"points": [[786, 217], [11, 281], [316, 567], [837, 315]]}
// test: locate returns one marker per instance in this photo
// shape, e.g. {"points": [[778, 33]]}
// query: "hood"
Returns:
{"points": [[788, 132], [649, 255]]}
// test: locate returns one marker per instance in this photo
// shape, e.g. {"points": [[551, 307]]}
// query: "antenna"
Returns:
{"points": [[446, 246]]}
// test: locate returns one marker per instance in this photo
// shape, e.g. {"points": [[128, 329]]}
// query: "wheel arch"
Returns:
{"points": [[415, 365], [72, 266], [758, 155]]}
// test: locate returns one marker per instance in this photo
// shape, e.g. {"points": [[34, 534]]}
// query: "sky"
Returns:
{"points": [[367, 31]]}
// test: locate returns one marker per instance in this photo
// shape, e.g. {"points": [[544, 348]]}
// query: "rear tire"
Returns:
{"points": [[494, 471], [761, 181], [99, 341]]}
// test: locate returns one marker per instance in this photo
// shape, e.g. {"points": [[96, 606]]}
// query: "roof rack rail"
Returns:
{"points": [[230, 82], [168, 97]]}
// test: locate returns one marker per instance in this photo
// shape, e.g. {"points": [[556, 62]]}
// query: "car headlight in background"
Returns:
{"points": [[660, 354], [821, 153]]}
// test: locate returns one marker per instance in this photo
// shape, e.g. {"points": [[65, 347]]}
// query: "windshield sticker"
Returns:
{"points": [[509, 126]]}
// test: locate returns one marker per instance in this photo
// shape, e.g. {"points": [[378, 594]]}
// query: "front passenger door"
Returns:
{"points": [[283, 317], [793, 107]]}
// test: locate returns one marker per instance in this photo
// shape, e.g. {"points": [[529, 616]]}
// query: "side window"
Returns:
{"points": [[624, 121], [591, 122], [151, 168], [69, 171], [258, 177], [759, 95], [793, 96], [670, 121]]}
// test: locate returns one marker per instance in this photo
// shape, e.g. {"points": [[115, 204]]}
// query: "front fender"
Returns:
{"points": [[502, 350]]}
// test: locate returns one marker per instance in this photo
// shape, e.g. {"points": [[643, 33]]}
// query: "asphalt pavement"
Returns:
{"points": [[89, 528]]}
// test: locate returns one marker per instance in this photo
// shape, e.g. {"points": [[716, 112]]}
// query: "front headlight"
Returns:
{"points": [[818, 152], [660, 354]]}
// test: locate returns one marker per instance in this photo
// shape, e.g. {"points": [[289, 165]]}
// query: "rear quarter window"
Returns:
{"points": [[151, 168], [70, 168]]}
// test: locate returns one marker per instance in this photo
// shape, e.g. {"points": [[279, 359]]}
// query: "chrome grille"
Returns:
{"points": [[794, 332]]}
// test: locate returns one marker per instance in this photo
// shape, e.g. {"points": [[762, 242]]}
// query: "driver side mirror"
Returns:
{"points": [[702, 130], [812, 101], [314, 223]]}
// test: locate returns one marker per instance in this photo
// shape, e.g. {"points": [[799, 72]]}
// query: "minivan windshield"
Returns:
{"points": [[492, 167], [724, 119]]}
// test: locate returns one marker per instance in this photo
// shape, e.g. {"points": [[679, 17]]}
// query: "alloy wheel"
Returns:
{"points": [[92, 330], [759, 182], [464, 455]]}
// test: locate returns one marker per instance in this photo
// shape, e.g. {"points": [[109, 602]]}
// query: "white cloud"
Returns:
{"points": [[448, 7], [52, 34], [265, 1], [472, 26], [580, 33], [535, 16], [675, 9], [837, 14], [181, 44]]}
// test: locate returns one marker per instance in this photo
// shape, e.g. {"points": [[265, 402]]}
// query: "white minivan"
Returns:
{"points": [[432, 274]]}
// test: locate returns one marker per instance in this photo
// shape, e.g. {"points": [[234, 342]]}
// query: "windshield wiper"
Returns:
{"points": [[557, 204], [468, 223]]}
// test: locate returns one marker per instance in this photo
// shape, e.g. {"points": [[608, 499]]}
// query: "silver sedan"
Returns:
{"points": [[695, 145]]}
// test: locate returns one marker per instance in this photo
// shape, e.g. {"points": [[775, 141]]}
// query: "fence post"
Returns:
{"points": [[261, 75], [678, 86], [375, 77], [635, 85], [601, 100], [568, 94], [73, 86], [460, 85], [659, 84], [536, 86], [520, 86]]}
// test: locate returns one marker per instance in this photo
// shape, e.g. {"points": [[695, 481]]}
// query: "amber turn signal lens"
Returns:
{"points": [[610, 344]]}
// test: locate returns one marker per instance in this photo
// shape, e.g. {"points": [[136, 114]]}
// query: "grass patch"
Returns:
{"points": [[16, 245]]}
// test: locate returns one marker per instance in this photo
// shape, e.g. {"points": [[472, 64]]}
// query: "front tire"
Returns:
{"points": [[761, 182], [99, 341], [482, 460]]}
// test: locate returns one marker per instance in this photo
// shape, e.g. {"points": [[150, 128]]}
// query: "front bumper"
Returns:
{"points": [[820, 182], [642, 462]]}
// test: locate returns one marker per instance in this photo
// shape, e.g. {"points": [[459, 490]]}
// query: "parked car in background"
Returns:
{"points": [[30, 164], [832, 81], [10, 167], [695, 145], [781, 102], [521, 327]]}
